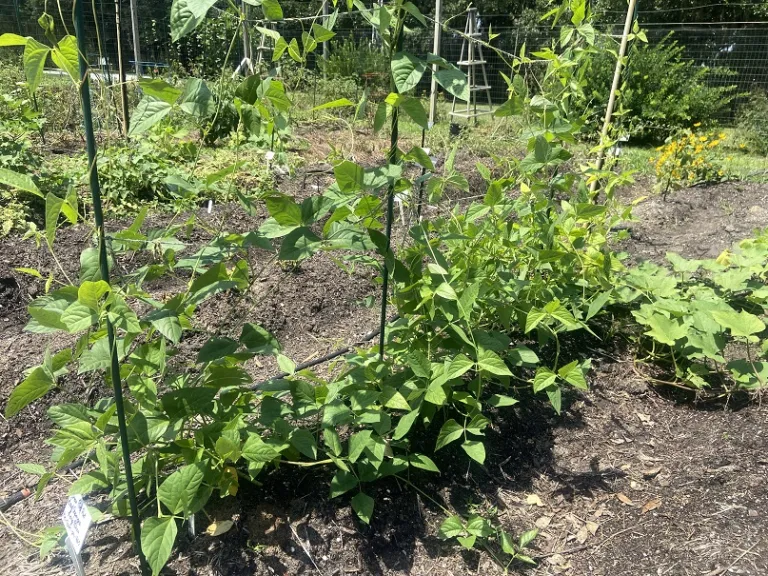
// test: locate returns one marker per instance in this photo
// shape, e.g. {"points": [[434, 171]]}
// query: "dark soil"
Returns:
{"points": [[627, 481]]}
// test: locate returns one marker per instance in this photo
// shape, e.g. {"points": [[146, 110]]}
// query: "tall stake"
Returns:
{"points": [[136, 41], [614, 87], [436, 52], [121, 68], [90, 142], [392, 158], [326, 47]]}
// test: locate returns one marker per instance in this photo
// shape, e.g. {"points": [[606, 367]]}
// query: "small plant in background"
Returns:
{"points": [[688, 159], [753, 123]]}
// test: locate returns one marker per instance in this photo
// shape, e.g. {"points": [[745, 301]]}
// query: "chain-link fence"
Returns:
{"points": [[736, 53]]}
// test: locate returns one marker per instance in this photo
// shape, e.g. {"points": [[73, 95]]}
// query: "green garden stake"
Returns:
{"points": [[392, 159], [90, 141]]}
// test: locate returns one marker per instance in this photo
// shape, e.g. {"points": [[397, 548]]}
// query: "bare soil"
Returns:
{"points": [[627, 481]]}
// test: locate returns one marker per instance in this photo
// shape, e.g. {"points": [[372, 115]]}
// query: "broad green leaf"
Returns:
{"points": [[342, 482], [186, 15], [29, 468], [167, 323], [450, 432], [404, 424], [573, 373], [157, 538], [451, 528], [512, 107], [522, 355], [467, 542], [454, 81], [500, 400], [9, 39], [228, 449], [533, 319], [272, 9], [479, 526], [380, 117], [147, 113], [340, 103], [257, 340], [197, 100], [89, 293], [362, 504], [35, 55], [216, 348], [527, 537], [458, 367], [34, 386], [284, 210], [160, 90], [407, 71], [423, 462], [414, 109], [303, 440], [78, 317], [666, 330], [475, 450], [179, 490], [445, 290], [299, 245], [543, 379], [256, 450], [219, 376], [65, 56], [489, 361], [321, 33], [19, 182], [741, 324], [349, 176]]}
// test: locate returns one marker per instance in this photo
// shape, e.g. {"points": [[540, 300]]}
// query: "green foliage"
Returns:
{"points": [[360, 62], [706, 318], [753, 122], [200, 53], [662, 92]]}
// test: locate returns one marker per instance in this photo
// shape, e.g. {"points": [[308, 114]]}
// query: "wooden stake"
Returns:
{"points": [[436, 52], [121, 69], [614, 87]]}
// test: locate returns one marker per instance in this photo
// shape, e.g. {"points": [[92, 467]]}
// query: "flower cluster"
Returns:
{"points": [[688, 159]]}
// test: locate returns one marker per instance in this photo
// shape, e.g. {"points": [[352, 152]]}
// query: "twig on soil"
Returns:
{"points": [[718, 571], [586, 546], [304, 547]]}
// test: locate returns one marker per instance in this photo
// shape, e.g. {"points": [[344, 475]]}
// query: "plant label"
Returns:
{"points": [[77, 521]]}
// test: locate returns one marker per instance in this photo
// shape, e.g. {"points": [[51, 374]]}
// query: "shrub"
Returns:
{"points": [[688, 159], [350, 58], [753, 123], [663, 92]]}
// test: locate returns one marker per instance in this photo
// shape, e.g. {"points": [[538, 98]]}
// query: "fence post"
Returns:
{"points": [[136, 43], [436, 52], [121, 68]]}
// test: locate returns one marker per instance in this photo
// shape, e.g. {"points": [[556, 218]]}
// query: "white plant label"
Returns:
{"points": [[77, 521]]}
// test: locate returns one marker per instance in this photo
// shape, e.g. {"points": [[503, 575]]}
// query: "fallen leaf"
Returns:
{"points": [[651, 473], [533, 500], [599, 512], [624, 499], [643, 417], [651, 505], [543, 522], [582, 535], [592, 527], [219, 528], [634, 485]]}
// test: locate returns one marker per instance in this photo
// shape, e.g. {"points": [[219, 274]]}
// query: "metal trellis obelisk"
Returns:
{"points": [[473, 60]]}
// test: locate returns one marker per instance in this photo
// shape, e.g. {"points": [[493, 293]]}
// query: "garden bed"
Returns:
{"points": [[629, 480]]}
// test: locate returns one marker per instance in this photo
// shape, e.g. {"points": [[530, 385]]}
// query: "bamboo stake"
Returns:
{"points": [[614, 87]]}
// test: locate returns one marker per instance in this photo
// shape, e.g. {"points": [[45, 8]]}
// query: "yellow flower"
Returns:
{"points": [[697, 124], [742, 146], [702, 138], [721, 135]]}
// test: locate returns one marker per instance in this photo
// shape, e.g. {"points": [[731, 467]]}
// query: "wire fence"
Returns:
{"points": [[736, 53]]}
